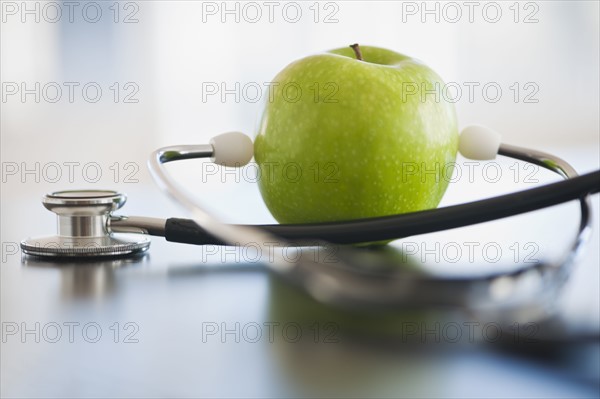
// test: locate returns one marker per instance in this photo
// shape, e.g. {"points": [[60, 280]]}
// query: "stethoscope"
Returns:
{"points": [[87, 227]]}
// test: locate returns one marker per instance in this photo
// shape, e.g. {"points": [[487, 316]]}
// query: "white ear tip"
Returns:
{"points": [[232, 149], [479, 142]]}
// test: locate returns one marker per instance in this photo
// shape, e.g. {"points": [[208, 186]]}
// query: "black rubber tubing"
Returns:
{"points": [[398, 226]]}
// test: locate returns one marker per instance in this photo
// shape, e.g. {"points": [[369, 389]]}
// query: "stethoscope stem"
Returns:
{"points": [[136, 224]]}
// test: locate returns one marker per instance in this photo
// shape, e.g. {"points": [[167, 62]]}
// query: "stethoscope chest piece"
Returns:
{"points": [[82, 227]]}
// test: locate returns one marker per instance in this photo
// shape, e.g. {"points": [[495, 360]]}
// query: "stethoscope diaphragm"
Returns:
{"points": [[82, 227]]}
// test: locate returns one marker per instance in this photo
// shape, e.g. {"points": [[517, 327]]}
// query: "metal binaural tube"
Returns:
{"points": [[231, 234]]}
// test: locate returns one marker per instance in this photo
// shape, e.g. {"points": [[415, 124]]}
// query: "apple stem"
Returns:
{"points": [[357, 51]]}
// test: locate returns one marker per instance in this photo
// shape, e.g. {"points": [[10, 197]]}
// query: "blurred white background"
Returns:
{"points": [[161, 54]]}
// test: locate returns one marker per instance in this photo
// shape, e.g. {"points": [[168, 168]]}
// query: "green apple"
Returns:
{"points": [[355, 133]]}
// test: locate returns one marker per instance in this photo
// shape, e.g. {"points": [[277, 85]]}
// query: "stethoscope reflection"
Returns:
{"points": [[418, 280], [86, 279]]}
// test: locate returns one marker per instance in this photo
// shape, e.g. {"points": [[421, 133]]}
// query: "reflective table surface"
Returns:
{"points": [[185, 321]]}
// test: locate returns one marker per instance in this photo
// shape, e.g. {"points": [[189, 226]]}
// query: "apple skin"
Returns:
{"points": [[355, 143]]}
